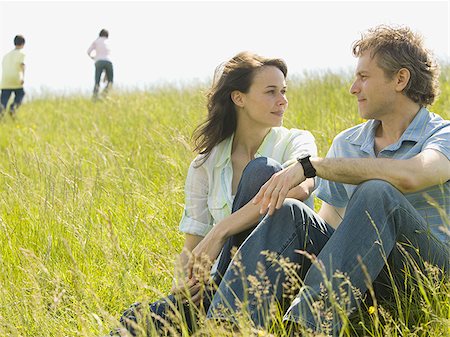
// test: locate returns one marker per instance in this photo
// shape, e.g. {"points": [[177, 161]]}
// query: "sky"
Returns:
{"points": [[157, 43]]}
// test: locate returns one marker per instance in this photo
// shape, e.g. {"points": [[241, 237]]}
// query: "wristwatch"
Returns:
{"points": [[308, 169]]}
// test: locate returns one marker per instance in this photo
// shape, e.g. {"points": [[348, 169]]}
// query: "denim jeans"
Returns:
{"points": [[18, 97], [255, 174], [295, 226], [100, 67], [377, 217]]}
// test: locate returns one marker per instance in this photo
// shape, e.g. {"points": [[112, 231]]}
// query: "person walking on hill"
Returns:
{"points": [[100, 52], [13, 76]]}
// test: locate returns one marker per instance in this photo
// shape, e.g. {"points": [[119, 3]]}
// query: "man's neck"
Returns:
{"points": [[393, 125]]}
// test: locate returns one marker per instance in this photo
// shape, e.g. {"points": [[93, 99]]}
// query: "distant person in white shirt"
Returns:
{"points": [[102, 58], [13, 72]]}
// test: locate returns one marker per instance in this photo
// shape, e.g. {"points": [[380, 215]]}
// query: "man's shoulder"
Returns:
{"points": [[435, 121], [15, 54]]}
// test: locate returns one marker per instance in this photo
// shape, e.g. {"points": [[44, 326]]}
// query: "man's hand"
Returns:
{"points": [[275, 190]]}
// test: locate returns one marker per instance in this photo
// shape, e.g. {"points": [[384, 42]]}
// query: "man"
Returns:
{"points": [[13, 74], [102, 58], [385, 187]]}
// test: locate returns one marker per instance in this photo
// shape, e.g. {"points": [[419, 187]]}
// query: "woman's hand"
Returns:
{"points": [[275, 190], [204, 254], [189, 289]]}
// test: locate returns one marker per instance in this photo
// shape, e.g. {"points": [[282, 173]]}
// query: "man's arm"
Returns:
{"points": [[426, 169], [22, 70]]}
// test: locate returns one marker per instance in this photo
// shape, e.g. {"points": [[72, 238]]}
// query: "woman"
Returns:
{"points": [[102, 58], [243, 130]]}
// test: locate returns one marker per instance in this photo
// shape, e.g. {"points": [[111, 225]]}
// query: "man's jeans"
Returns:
{"points": [[377, 217], [18, 97]]}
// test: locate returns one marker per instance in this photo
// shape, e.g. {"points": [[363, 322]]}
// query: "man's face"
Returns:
{"points": [[375, 92]]}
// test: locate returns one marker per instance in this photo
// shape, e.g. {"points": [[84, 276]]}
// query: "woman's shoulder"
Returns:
{"points": [[219, 153], [283, 132]]}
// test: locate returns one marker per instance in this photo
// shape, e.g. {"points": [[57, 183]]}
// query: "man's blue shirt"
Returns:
{"points": [[426, 131]]}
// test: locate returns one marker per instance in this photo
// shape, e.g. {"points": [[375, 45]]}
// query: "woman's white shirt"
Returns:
{"points": [[208, 197]]}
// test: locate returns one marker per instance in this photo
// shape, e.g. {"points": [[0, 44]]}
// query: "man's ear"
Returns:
{"points": [[238, 98], [402, 77]]}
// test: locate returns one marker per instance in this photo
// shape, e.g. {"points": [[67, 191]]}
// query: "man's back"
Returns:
{"points": [[11, 69]]}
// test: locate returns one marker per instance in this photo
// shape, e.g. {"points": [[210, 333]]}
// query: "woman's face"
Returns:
{"points": [[265, 102]]}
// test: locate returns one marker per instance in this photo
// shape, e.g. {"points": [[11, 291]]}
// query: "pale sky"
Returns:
{"points": [[182, 42]]}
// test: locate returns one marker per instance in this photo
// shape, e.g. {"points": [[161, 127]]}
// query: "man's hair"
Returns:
{"points": [[19, 40], [103, 33], [397, 48]]}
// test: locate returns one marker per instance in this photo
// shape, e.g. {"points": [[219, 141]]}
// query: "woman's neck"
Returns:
{"points": [[247, 142]]}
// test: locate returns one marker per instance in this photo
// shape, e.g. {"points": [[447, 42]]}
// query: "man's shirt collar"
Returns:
{"points": [[365, 136]]}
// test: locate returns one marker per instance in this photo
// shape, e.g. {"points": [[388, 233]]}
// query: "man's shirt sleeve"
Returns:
{"points": [[440, 141]]}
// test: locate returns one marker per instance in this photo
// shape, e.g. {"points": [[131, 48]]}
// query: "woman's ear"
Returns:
{"points": [[238, 98], [402, 77]]}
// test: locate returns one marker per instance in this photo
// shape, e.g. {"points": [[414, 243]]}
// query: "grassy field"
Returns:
{"points": [[92, 193]]}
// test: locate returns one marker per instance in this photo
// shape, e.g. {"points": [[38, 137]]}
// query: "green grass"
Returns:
{"points": [[91, 195]]}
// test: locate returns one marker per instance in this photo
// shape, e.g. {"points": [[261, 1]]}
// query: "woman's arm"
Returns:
{"points": [[182, 285], [190, 242], [209, 248], [302, 191]]}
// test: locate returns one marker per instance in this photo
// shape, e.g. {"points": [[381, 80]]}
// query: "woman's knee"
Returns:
{"points": [[259, 170], [292, 212]]}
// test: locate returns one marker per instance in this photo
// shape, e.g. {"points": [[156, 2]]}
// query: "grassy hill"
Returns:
{"points": [[91, 195]]}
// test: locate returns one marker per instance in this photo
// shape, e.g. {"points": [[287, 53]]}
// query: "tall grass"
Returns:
{"points": [[92, 193]]}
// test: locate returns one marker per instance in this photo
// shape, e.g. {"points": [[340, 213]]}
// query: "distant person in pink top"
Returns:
{"points": [[103, 63]]}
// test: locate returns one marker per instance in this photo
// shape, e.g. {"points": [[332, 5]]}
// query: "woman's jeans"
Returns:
{"points": [[255, 174], [380, 234], [100, 67]]}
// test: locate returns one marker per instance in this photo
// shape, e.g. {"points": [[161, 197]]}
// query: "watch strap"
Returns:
{"points": [[308, 169]]}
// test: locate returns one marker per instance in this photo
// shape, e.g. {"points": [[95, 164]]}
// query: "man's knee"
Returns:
{"points": [[376, 188]]}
